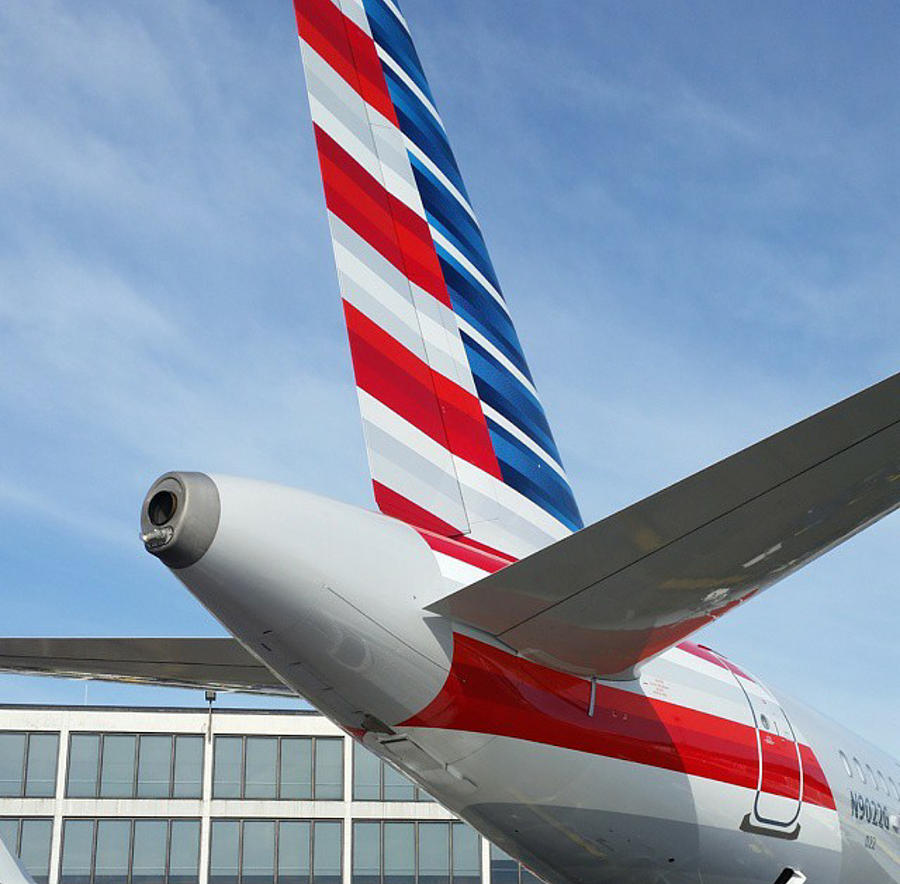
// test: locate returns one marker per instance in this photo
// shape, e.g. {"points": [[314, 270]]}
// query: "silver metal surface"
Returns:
{"points": [[180, 517]]}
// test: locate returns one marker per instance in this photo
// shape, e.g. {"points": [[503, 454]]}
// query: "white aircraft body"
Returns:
{"points": [[534, 675]]}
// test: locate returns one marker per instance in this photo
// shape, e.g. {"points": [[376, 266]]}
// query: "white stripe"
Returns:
{"points": [[449, 186], [445, 244], [388, 59], [512, 429], [459, 572], [504, 360], [699, 665], [355, 11], [395, 9]]}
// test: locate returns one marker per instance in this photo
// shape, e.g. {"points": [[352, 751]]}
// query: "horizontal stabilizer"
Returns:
{"points": [[623, 590], [214, 663]]}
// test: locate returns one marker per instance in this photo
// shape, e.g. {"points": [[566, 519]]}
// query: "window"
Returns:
{"points": [[859, 769], [29, 839], [329, 769], [148, 863], [415, 853], [28, 764], [184, 851], [154, 761], [278, 767], [505, 870], [882, 783], [894, 789], [465, 852], [117, 767], [142, 851], [296, 768], [260, 778], [846, 763], [188, 772], [376, 780], [135, 766], [111, 851], [871, 774], [270, 851]]}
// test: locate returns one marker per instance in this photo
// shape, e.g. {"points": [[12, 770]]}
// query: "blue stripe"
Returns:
{"points": [[391, 36], [478, 307], [417, 123], [504, 393], [457, 225], [523, 470]]}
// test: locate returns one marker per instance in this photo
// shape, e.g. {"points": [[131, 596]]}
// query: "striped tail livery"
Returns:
{"points": [[458, 442]]}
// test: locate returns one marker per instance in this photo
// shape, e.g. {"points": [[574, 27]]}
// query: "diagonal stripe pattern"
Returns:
{"points": [[458, 442]]}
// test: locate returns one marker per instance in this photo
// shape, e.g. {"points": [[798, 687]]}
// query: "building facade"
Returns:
{"points": [[97, 795]]}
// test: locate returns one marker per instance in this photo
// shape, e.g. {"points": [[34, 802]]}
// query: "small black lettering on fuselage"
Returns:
{"points": [[868, 811]]}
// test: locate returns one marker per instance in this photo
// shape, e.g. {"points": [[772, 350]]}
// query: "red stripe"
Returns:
{"points": [[463, 552], [346, 48], [397, 378], [483, 547], [383, 221], [393, 504], [815, 784], [493, 692]]}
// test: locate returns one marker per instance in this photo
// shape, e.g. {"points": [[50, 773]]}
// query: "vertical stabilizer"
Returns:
{"points": [[457, 439]]}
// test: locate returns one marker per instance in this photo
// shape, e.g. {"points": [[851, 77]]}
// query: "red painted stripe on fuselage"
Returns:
{"points": [[348, 49], [494, 692]]}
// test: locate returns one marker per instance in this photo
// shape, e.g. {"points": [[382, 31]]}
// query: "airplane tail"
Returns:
{"points": [[458, 442]]}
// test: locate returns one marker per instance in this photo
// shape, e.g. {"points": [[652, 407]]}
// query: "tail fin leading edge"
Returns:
{"points": [[457, 439]]}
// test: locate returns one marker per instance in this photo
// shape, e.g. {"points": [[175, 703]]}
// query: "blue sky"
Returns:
{"points": [[692, 209]]}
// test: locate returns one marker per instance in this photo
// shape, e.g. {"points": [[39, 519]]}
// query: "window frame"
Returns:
{"points": [[138, 736], [26, 754], [131, 820], [314, 740], [380, 823], [277, 821]]}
